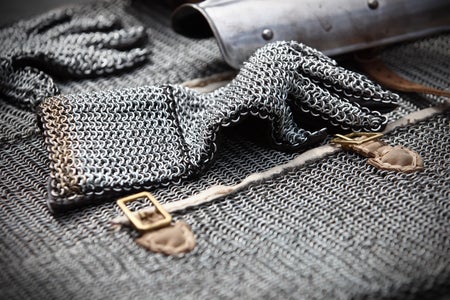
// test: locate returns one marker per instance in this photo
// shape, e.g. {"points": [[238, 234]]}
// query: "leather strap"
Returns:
{"points": [[170, 240], [159, 233], [381, 73], [386, 157]]}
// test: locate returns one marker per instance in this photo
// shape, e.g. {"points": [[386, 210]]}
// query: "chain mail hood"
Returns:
{"points": [[334, 228], [121, 140]]}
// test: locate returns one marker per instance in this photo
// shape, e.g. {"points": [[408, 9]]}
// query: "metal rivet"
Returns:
{"points": [[373, 4], [267, 34]]}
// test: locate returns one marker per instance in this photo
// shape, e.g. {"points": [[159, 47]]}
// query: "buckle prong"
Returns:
{"points": [[137, 223]]}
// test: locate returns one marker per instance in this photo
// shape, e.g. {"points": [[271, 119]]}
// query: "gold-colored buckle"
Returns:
{"points": [[349, 139], [137, 223]]}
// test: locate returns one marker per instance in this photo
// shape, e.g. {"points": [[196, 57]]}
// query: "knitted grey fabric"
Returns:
{"points": [[336, 228]]}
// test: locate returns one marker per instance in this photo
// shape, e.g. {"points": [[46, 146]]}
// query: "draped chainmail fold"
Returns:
{"points": [[335, 228], [113, 141]]}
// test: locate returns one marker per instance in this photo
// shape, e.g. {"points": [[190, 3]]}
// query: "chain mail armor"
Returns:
{"points": [[336, 228], [59, 44], [128, 139]]}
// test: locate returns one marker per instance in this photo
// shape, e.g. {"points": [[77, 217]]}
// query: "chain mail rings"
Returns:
{"points": [[110, 142], [58, 44]]}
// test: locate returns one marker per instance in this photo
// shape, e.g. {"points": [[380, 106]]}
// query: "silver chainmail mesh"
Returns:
{"points": [[336, 228], [109, 142], [63, 45]]}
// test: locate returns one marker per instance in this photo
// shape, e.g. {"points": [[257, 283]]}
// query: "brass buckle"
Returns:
{"points": [[349, 139], [137, 223]]}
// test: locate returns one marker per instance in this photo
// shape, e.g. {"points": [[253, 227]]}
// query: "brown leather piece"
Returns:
{"points": [[149, 217], [379, 72], [386, 157], [171, 240], [398, 158], [368, 149]]}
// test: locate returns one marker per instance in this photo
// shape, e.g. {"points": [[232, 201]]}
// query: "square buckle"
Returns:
{"points": [[351, 138], [137, 223]]}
